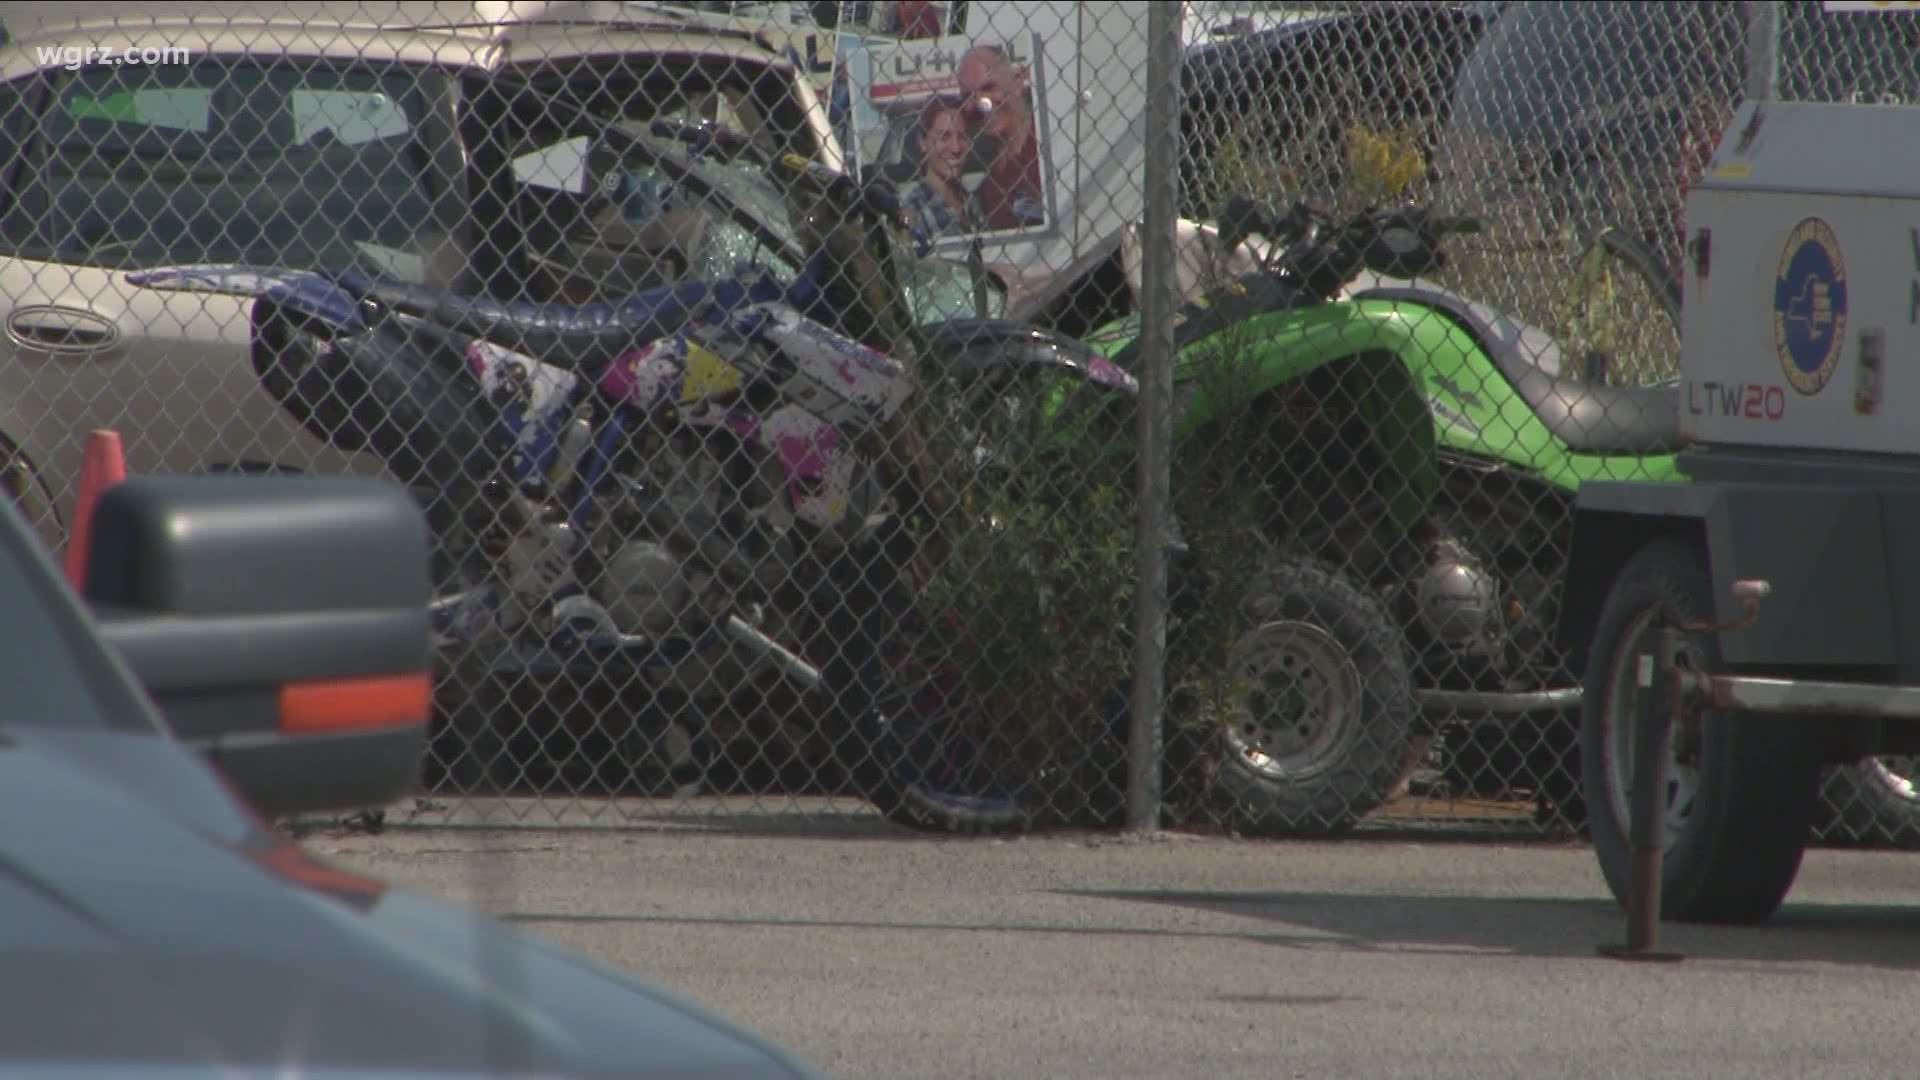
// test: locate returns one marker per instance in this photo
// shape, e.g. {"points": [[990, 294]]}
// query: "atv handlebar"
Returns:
{"points": [[1401, 241], [1251, 217]]}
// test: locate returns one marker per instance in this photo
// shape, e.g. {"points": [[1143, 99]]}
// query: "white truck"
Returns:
{"points": [[1766, 614]]}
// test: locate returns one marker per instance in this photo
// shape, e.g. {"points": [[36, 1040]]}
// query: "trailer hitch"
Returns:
{"points": [[1749, 593], [1675, 692]]}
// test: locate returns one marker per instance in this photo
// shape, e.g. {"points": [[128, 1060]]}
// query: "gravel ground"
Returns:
{"points": [[880, 955]]}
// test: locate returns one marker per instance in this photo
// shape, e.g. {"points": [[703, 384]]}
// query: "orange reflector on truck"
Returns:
{"points": [[339, 705]]}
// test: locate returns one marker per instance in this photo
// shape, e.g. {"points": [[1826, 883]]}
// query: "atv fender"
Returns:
{"points": [[1243, 362], [1823, 550]]}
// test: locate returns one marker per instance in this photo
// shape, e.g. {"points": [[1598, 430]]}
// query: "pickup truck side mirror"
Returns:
{"points": [[280, 625]]}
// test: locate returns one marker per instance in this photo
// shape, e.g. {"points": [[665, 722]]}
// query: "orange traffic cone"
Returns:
{"points": [[104, 465]]}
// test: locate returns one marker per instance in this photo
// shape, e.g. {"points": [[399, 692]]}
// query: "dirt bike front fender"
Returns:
{"points": [[969, 348]]}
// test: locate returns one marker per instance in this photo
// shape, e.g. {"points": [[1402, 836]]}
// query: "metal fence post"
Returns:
{"points": [[1164, 56], [1763, 50]]}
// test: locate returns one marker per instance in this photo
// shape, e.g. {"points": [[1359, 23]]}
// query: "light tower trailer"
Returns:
{"points": [[1764, 616]]}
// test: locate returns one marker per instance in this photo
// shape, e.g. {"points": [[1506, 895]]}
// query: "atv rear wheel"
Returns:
{"points": [[1320, 720]]}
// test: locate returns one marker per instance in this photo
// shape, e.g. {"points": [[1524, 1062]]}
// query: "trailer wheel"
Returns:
{"points": [[1741, 788]]}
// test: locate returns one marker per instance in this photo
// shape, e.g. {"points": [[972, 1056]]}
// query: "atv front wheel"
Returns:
{"points": [[1319, 724]]}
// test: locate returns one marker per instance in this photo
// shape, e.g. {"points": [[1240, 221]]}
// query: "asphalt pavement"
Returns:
{"points": [[881, 955]]}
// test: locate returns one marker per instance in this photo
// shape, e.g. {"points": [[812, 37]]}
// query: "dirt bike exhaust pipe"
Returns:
{"points": [[789, 663]]}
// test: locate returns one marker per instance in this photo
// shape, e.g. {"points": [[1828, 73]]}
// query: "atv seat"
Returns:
{"points": [[1589, 419], [583, 337]]}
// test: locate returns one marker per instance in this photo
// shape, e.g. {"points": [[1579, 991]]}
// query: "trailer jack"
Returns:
{"points": [[1676, 693]]}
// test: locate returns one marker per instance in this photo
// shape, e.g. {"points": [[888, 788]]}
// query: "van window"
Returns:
{"points": [[151, 165], [1550, 67]]}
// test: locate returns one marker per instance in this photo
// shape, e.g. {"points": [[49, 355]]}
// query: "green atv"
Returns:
{"points": [[1411, 458]]}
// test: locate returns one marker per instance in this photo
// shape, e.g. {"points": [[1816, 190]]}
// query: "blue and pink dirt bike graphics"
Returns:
{"points": [[731, 335]]}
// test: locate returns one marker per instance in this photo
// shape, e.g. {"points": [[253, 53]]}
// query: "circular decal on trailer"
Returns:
{"points": [[1810, 306]]}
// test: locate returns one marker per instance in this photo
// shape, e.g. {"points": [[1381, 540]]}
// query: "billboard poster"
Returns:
{"points": [[1018, 127], [960, 124]]}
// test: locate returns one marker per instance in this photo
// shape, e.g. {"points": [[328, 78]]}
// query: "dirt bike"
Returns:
{"points": [[658, 496], [1417, 454]]}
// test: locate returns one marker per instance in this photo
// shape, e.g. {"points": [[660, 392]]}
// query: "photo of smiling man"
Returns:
{"points": [[958, 124], [1000, 108]]}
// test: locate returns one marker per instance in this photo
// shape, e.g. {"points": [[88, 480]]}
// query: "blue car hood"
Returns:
{"points": [[148, 921]]}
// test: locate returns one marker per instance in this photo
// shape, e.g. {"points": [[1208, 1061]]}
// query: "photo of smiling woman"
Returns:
{"points": [[959, 125], [936, 199]]}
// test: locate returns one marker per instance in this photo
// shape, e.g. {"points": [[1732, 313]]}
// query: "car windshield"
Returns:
{"points": [[139, 166], [58, 672]]}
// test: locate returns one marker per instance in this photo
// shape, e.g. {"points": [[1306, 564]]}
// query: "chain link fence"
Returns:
{"points": [[775, 375]]}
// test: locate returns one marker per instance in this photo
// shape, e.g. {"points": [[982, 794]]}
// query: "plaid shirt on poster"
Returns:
{"points": [[932, 217]]}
